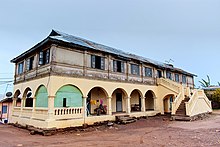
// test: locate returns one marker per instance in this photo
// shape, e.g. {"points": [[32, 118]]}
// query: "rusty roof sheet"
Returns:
{"points": [[86, 44]]}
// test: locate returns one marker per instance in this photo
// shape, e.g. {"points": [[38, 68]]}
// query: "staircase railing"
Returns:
{"points": [[176, 103], [169, 84], [190, 105]]}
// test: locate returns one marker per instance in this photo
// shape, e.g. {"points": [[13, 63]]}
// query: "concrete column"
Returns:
{"points": [[22, 103], [84, 107], [155, 103], [143, 109], [14, 103], [51, 107], [109, 103], [128, 105], [34, 103]]}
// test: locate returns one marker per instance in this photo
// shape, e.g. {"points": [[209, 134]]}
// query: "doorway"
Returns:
{"points": [[118, 102], [159, 73]]}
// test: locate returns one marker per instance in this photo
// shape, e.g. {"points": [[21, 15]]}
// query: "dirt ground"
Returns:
{"points": [[155, 131]]}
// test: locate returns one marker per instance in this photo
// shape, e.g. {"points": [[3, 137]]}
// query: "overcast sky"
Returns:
{"points": [[186, 31]]}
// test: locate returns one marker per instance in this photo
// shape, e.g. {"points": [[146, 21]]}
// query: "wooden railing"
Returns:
{"points": [[66, 113]]}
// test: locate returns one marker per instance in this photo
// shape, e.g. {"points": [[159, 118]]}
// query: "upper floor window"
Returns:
{"points": [[148, 72], [118, 66], [44, 57], [177, 77], [20, 67], [184, 79], [135, 69], [169, 75], [29, 63], [97, 62]]}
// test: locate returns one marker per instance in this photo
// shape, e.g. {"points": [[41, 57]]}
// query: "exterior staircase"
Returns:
{"points": [[125, 119], [181, 111]]}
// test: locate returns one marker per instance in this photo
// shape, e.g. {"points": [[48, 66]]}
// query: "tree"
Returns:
{"points": [[216, 95], [205, 83], [218, 83]]}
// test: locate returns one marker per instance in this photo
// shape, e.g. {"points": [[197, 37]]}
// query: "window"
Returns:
{"points": [[169, 75], [97, 62], [64, 102], [118, 66], [4, 109], [135, 69], [29, 63], [148, 72], [44, 57], [184, 79], [177, 77], [20, 67]]}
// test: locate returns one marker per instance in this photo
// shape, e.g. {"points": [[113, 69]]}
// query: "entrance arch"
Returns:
{"points": [[119, 100], [149, 100], [167, 103], [17, 97], [97, 97], [135, 100], [28, 97], [68, 96]]}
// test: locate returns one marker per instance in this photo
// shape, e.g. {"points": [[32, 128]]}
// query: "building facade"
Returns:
{"points": [[63, 80]]}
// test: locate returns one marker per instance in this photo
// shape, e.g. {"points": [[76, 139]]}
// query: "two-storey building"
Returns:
{"points": [[62, 81]]}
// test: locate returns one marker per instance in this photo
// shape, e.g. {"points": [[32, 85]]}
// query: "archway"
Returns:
{"points": [[68, 96], [135, 100], [167, 103], [97, 101], [28, 97], [119, 100], [17, 97], [42, 97], [149, 100]]}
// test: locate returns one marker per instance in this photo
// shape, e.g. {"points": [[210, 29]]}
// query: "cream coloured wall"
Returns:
{"points": [[68, 56]]}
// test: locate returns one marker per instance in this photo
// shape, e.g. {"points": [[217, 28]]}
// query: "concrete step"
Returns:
{"points": [[181, 118], [125, 119]]}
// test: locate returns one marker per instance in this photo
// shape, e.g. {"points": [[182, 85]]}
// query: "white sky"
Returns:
{"points": [[186, 31]]}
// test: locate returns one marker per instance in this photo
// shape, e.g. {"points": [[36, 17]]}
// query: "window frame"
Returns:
{"points": [[20, 69], [100, 59], [146, 73], [169, 75], [133, 70], [4, 109], [184, 80], [30, 63], [118, 66], [177, 75], [44, 57]]}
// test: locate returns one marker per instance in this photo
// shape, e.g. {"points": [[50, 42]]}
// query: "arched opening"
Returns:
{"points": [[28, 97], [149, 100], [68, 96], [135, 100], [97, 101], [42, 97], [167, 103], [17, 97], [119, 100]]}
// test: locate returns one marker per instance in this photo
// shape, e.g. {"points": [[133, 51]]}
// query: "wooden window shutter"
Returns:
{"points": [[41, 58], [122, 67], [114, 66], [47, 56], [102, 63], [92, 61]]}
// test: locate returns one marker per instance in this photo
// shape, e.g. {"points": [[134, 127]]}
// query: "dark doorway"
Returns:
{"points": [[118, 102], [159, 74], [64, 102]]}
